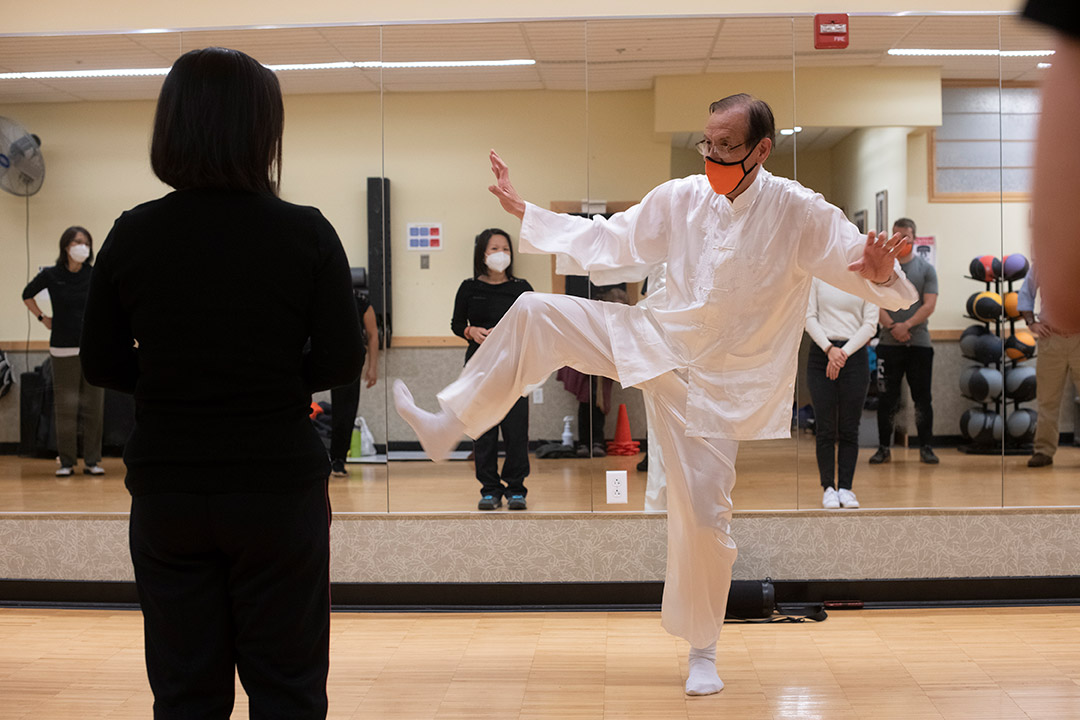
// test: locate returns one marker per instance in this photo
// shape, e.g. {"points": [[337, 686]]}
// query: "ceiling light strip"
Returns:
{"points": [[375, 64], [926, 52]]}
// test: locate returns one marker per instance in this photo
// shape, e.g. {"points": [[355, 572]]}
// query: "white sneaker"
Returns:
{"points": [[64, 471], [830, 500], [93, 470], [848, 499]]}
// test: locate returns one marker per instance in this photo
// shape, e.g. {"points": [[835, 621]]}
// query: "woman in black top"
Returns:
{"points": [[481, 302], [201, 305], [68, 283]]}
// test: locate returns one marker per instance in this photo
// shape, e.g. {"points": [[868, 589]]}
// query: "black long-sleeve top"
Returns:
{"points": [[67, 293], [221, 291], [483, 305]]}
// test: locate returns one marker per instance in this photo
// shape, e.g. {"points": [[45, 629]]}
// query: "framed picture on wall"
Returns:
{"points": [[860, 221], [881, 203]]}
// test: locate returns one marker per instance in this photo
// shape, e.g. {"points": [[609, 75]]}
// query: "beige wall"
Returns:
{"points": [[542, 136], [867, 161]]}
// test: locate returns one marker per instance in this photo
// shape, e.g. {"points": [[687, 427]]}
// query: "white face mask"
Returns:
{"points": [[498, 261], [78, 253]]}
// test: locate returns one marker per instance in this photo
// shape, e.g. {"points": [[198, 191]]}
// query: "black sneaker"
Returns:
{"points": [[516, 502], [489, 502], [337, 469], [926, 455], [643, 466], [883, 455]]}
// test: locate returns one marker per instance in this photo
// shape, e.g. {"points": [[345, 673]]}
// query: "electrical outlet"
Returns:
{"points": [[616, 487], [538, 396], [425, 262]]}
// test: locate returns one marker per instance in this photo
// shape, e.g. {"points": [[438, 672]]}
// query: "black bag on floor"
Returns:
{"points": [[754, 601]]}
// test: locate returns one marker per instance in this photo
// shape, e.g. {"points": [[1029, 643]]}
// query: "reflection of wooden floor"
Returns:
{"points": [[859, 665], [773, 475]]}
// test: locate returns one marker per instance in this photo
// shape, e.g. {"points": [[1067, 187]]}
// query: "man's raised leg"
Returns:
{"points": [[538, 335]]}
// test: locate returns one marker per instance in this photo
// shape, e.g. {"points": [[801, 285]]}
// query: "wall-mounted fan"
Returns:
{"points": [[22, 166]]}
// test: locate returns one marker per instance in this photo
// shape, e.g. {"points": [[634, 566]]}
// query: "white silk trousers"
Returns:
{"points": [[542, 333]]}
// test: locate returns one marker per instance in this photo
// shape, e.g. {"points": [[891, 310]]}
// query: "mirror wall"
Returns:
{"points": [[610, 109]]}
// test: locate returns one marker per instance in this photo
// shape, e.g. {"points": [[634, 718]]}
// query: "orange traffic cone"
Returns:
{"points": [[622, 444]]}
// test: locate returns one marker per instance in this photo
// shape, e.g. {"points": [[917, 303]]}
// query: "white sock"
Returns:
{"points": [[438, 433], [703, 678]]}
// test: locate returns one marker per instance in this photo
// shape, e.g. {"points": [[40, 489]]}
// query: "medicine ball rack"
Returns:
{"points": [[1005, 444]]}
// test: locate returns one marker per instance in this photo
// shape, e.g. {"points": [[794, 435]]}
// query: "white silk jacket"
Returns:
{"points": [[732, 310]]}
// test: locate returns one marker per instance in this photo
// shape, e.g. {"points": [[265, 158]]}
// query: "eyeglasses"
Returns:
{"points": [[719, 150]]}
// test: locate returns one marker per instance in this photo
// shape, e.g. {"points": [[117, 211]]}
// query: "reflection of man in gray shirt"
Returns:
{"points": [[904, 349]]}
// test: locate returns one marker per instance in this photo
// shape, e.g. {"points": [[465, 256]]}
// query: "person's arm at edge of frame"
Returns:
{"points": [[107, 347], [1056, 186]]}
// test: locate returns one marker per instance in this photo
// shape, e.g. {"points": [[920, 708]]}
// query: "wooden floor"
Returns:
{"points": [[963, 664], [772, 475]]}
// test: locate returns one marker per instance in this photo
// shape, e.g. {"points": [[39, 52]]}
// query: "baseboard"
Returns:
{"points": [[518, 597]]}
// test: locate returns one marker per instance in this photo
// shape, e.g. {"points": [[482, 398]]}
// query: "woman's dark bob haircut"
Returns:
{"points": [[68, 237], [480, 252], [218, 124]]}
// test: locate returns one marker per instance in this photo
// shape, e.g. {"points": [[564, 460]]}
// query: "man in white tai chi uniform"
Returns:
{"points": [[715, 350]]}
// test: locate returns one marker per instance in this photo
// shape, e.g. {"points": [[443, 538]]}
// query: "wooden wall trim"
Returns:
{"points": [[427, 341], [20, 345]]}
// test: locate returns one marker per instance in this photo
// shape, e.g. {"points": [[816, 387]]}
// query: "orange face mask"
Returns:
{"points": [[724, 177]]}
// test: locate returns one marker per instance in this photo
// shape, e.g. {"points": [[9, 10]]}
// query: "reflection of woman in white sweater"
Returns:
{"points": [[838, 374]]}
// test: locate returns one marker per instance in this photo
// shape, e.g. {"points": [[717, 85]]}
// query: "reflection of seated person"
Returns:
{"points": [[481, 302], [838, 373], [1059, 357], [592, 392], [345, 400]]}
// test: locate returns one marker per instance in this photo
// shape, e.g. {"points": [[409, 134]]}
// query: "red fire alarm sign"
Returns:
{"points": [[830, 32]]}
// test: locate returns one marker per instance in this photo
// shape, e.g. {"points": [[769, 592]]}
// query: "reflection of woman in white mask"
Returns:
{"points": [[481, 302], [68, 282]]}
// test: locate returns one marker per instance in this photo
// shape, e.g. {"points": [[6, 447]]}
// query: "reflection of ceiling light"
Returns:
{"points": [[453, 63], [790, 131], [1042, 66], [51, 74], [375, 64], [923, 52]]}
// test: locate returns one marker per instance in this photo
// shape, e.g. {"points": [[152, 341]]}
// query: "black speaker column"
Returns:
{"points": [[378, 222]]}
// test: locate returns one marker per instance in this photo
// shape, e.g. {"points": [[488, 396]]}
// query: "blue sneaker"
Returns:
{"points": [[489, 502], [516, 502]]}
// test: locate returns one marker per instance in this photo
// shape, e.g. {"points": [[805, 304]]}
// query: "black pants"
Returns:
{"points": [[894, 362], [344, 401], [515, 432], [838, 408], [235, 583], [590, 419]]}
